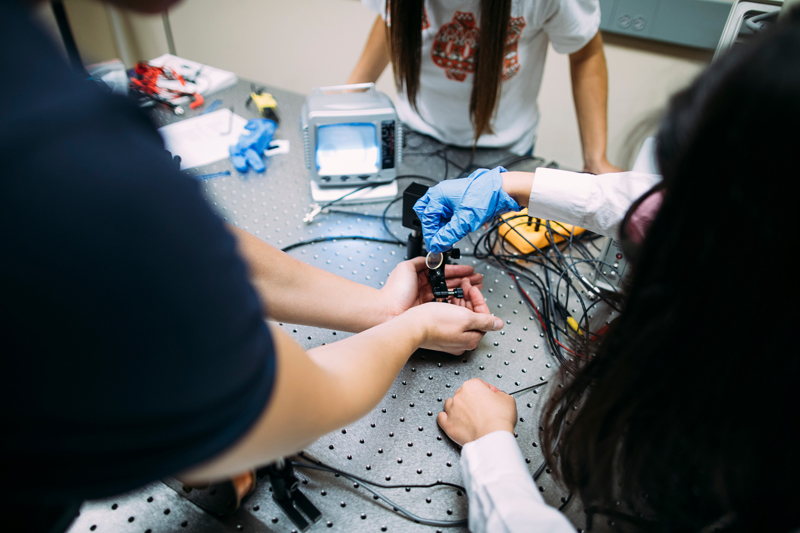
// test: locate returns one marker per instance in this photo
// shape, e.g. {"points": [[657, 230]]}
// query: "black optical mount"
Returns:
{"points": [[439, 282], [287, 495]]}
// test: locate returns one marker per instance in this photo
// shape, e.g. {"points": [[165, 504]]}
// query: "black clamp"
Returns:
{"points": [[287, 495], [435, 263]]}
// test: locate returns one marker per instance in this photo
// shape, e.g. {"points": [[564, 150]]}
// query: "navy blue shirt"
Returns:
{"points": [[133, 343]]}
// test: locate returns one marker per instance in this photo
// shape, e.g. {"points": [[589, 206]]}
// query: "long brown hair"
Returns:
{"points": [[405, 38], [662, 420]]}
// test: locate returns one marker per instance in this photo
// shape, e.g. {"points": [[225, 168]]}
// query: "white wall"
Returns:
{"points": [[299, 44], [642, 76]]}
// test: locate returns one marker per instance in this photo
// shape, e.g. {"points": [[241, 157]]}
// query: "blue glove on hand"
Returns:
{"points": [[454, 208], [252, 144]]}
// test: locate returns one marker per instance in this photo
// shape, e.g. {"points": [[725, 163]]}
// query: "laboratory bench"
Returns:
{"points": [[399, 441]]}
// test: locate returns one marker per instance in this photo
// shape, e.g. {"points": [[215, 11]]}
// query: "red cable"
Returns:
{"points": [[533, 306], [146, 81]]}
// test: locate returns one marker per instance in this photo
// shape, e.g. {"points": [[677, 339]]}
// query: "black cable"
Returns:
{"points": [[520, 391], [427, 154], [368, 186], [442, 153], [516, 160], [407, 132], [466, 168], [372, 185], [510, 262], [492, 247], [386, 223], [556, 270], [538, 473], [566, 502], [562, 260], [357, 214], [417, 176], [337, 238], [395, 507]]}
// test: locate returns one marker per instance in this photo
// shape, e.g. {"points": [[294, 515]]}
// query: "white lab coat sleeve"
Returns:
{"points": [[502, 495], [597, 203]]}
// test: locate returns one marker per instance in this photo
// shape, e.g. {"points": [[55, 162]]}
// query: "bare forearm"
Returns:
{"points": [[518, 186], [590, 92], [296, 292], [361, 368], [316, 392], [375, 56]]}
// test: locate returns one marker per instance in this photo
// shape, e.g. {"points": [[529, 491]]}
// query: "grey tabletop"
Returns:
{"points": [[399, 441]]}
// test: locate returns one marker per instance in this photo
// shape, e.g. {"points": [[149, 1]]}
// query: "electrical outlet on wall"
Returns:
{"points": [[697, 23], [634, 17]]}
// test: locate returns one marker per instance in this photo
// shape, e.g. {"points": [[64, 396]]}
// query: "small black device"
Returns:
{"points": [[286, 493], [413, 192], [435, 263]]}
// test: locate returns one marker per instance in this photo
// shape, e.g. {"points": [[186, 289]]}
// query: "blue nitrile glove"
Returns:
{"points": [[252, 144], [454, 208]]}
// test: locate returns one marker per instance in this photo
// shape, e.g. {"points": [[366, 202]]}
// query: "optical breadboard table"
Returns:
{"points": [[398, 442]]}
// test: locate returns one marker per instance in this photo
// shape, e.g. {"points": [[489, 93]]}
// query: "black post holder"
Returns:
{"points": [[287, 495]]}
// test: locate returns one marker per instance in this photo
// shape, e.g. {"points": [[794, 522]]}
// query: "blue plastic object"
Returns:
{"points": [[454, 208], [252, 143]]}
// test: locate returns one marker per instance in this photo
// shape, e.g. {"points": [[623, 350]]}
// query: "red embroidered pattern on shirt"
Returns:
{"points": [[511, 56], [454, 46], [456, 41]]}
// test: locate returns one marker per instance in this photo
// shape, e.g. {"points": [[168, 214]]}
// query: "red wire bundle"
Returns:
{"points": [[146, 82]]}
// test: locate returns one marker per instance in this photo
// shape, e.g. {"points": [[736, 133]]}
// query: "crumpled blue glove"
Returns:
{"points": [[252, 143], [454, 208]]}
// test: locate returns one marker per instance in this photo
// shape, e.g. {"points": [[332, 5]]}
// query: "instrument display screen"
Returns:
{"points": [[351, 148]]}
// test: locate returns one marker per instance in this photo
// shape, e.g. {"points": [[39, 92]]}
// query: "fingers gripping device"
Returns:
{"points": [[434, 261]]}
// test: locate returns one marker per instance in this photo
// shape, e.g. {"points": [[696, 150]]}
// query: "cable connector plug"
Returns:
{"points": [[315, 210], [594, 292]]}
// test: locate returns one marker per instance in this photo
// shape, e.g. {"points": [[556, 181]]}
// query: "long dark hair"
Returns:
{"points": [[686, 413], [405, 38]]}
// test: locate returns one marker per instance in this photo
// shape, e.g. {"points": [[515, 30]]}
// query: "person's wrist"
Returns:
{"points": [[518, 186], [595, 161], [493, 427], [418, 326], [379, 307], [385, 308]]}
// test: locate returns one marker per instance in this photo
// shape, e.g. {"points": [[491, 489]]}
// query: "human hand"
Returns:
{"points": [[477, 409], [454, 208], [451, 328], [251, 145], [601, 166], [408, 286]]}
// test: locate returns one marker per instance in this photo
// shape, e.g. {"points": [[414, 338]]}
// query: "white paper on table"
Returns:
{"points": [[203, 139]]}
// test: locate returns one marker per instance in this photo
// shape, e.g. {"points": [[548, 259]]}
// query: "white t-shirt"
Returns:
{"points": [[449, 35]]}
